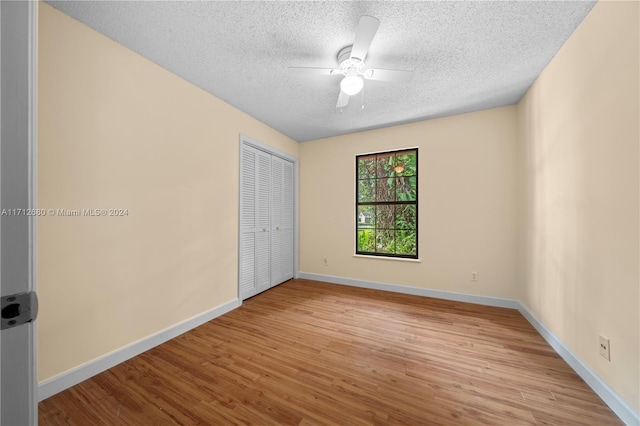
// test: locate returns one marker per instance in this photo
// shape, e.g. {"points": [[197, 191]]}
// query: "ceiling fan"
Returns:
{"points": [[352, 67]]}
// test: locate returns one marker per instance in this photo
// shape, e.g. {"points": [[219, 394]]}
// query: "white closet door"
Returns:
{"points": [[276, 215], [281, 220], [286, 228], [254, 222], [247, 259], [266, 221], [263, 221]]}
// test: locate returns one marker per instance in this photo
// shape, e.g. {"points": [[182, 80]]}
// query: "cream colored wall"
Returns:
{"points": [[580, 132], [467, 204], [117, 131]]}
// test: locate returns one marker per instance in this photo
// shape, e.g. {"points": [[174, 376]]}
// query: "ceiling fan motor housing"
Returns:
{"points": [[346, 62]]}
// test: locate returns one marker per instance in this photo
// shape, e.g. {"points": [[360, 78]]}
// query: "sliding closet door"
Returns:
{"points": [[281, 220], [255, 187]]}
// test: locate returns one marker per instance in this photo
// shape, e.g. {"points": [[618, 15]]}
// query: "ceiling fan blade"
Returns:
{"points": [[314, 71], [343, 100], [393, 76], [367, 29]]}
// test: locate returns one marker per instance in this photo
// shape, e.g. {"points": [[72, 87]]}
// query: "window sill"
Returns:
{"points": [[401, 259]]}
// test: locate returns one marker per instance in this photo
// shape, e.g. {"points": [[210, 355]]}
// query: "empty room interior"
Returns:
{"points": [[506, 290]]}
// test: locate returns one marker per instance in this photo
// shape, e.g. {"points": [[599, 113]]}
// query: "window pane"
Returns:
{"points": [[385, 189], [406, 161], [405, 242], [406, 188], [406, 216], [384, 241], [366, 240], [386, 163], [366, 217], [367, 167], [366, 190], [384, 217]]}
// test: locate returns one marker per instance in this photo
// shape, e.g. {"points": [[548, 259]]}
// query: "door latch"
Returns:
{"points": [[18, 309]]}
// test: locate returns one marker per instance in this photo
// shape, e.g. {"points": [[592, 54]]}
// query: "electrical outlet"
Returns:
{"points": [[605, 350], [326, 262], [474, 276]]}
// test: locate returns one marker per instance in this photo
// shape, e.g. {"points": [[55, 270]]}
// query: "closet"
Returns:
{"points": [[266, 256]]}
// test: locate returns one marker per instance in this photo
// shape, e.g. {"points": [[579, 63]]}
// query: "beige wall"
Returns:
{"points": [[117, 131], [467, 204], [579, 130]]}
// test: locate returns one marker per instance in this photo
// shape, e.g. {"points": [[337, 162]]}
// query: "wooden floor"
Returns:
{"points": [[309, 353]]}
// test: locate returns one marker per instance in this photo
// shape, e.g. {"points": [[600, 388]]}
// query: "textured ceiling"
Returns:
{"points": [[466, 55]]}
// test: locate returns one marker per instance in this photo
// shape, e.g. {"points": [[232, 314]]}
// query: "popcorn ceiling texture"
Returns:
{"points": [[467, 56]]}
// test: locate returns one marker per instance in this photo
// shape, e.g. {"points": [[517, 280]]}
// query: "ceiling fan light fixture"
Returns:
{"points": [[351, 84]]}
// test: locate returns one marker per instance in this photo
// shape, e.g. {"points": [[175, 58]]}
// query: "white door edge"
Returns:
{"points": [[18, 63]]}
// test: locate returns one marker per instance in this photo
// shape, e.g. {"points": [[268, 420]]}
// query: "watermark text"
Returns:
{"points": [[99, 212]]}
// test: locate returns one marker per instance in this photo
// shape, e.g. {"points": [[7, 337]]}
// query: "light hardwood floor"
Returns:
{"points": [[309, 353]]}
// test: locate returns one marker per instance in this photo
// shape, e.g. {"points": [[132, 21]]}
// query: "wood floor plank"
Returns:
{"points": [[310, 353]]}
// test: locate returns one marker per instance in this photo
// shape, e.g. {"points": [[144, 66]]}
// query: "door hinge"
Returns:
{"points": [[17, 309]]}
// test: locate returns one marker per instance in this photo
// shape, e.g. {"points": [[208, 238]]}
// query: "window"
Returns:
{"points": [[387, 204]]}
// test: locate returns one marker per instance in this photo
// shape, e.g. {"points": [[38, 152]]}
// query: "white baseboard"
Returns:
{"points": [[82, 372], [416, 291], [623, 410]]}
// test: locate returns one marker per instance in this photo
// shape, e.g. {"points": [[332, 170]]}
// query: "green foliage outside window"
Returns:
{"points": [[387, 203]]}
